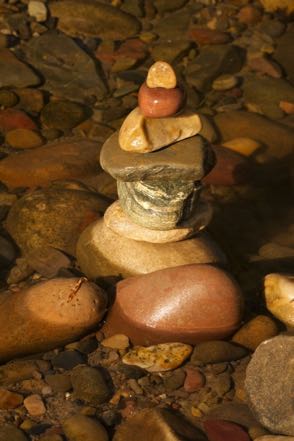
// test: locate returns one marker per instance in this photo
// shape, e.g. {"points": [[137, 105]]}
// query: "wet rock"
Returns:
{"points": [[48, 261], [11, 119], [89, 385], [117, 341], [7, 98], [63, 115], [83, 428], [7, 252], [59, 382], [244, 146], [175, 25], [23, 139], [279, 296], [189, 159], [9, 432], [30, 100], [269, 384], [159, 358], [176, 322], [47, 315], [264, 95], [249, 15], [38, 10], [218, 430], [67, 360], [211, 62], [194, 380], [234, 411], [274, 5], [68, 71], [14, 73], [20, 370], [9, 400], [34, 405], [254, 332], [84, 18], [217, 352], [163, 6], [53, 218], [283, 53], [103, 253], [225, 82], [171, 52], [160, 102], [264, 66], [70, 158], [276, 137], [174, 380], [161, 424], [20, 271], [203, 36]]}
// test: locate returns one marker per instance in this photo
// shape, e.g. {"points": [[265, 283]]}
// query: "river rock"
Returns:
{"points": [[275, 5], [103, 253], [70, 158], [244, 146], [216, 351], [11, 119], [279, 296], [274, 438], [158, 424], [54, 217], [277, 138], [189, 159], [23, 139], [63, 115], [142, 135], [9, 432], [158, 205], [163, 6], [269, 384], [121, 224], [283, 52], [264, 95], [218, 430], [69, 71], [98, 20], [47, 315], [203, 36], [82, 428], [89, 385], [14, 73], [187, 306]]}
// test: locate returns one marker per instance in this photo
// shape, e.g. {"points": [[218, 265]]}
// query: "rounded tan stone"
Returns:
{"points": [[279, 296], [186, 303], [254, 332], [161, 74], [47, 315], [103, 253], [23, 139], [225, 82], [121, 224]]}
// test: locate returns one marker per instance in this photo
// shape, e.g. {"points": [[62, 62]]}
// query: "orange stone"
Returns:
{"points": [[204, 36], [11, 119]]}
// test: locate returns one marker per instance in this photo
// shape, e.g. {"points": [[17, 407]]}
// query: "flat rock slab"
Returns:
{"points": [[269, 384], [103, 253], [14, 73], [189, 160], [188, 304]]}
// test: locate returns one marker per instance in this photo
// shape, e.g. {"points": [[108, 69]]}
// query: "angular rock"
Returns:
{"points": [[189, 159], [217, 352], [82, 428], [254, 332], [142, 135], [54, 217], [47, 315], [158, 205], [269, 384], [98, 20], [158, 424], [276, 137], [70, 158], [244, 146], [89, 385], [103, 253], [69, 72], [218, 430], [14, 73], [183, 303], [159, 358], [279, 296], [121, 224], [9, 432]]}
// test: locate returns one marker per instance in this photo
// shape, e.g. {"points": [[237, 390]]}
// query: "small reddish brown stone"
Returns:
{"points": [[11, 119], [219, 430], [249, 15], [158, 102], [188, 304], [194, 380], [265, 66], [231, 168], [208, 36]]}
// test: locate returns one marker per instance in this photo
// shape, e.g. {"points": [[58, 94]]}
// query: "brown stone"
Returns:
{"points": [[157, 102], [189, 304], [23, 139], [66, 159], [11, 119], [249, 15], [103, 253], [208, 36], [10, 400]]}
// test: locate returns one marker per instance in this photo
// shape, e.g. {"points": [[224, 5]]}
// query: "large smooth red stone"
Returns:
{"points": [[188, 304], [158, 102], [11, 119], [219, 430]]}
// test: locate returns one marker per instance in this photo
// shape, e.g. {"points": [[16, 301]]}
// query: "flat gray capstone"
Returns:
{"points": [[187, 160]]}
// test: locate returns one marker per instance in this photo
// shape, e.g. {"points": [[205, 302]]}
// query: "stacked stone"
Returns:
{"points": [[158, 159]]}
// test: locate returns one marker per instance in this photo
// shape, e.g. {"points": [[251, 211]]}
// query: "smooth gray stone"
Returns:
{"points": [[188, 160], [158, 205]]}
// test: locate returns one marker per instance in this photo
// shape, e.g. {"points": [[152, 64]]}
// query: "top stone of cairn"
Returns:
{"points": [[161, 74]]}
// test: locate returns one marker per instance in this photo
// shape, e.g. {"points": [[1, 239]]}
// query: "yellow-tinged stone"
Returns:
{"points": [[117, 341], [274, 5], [143, 135], [245, 146], [195, 412], [161, 74], [158, 358], [279, 296], [23, 139], [254, 332]]}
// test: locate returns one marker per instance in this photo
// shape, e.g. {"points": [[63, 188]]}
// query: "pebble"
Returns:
{"points": [[20, 370], [161, 74], [67, 360], [34, 405], [23, 139], [30, 100], [63, 115], [11, 119], [159, 102], [255, 331], [249, 15], [269, 384], [218, 430], [59, 382], [9, 432], [10, 400], [217, 352], [117, 341], [48, 261], [8, 98], [14, 73], [38, 10], [264, 65], [194, 380], [244, 146], [89, 384], [225, 82], [159, 358], [83, 428], [287, 107], [204, 36], [65, 303], [279, 296], [274, 5]]}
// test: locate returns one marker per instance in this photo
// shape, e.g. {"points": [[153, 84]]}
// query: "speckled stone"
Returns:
{"points": [[184, 303]]}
